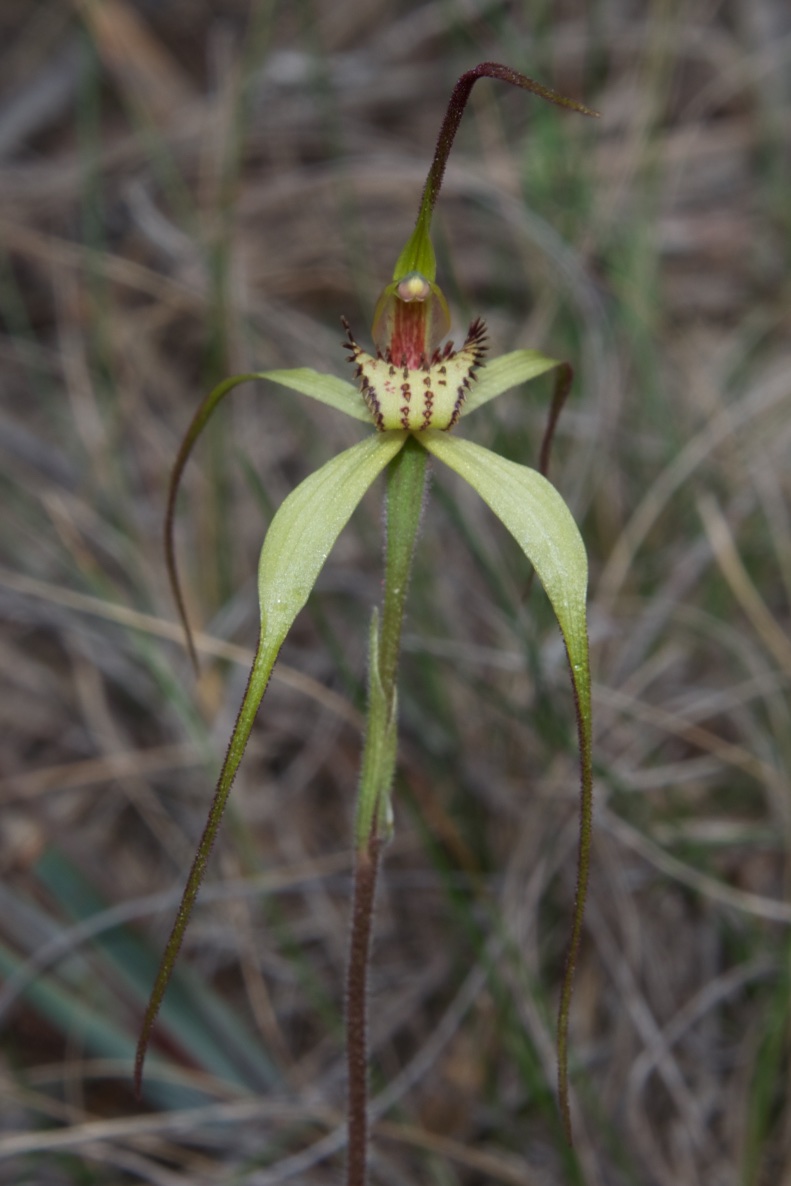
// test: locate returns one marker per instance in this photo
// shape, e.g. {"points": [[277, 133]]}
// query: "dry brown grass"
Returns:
{"points": [[138, 264]]}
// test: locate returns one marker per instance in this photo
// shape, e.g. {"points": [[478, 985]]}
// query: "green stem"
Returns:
{"points": [[405, 488], [406, 477]]}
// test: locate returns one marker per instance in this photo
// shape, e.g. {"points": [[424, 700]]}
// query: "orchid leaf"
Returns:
{"points": [[503, 373], [298, 542], [541, 523]]}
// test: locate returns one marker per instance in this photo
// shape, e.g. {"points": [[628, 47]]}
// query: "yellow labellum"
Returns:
{"points": [[416, 398]]}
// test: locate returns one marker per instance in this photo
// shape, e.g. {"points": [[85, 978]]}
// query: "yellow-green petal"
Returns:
{"points": [[307, 524], [541, 523], [298, 542], [327, 389], [503, 373]]}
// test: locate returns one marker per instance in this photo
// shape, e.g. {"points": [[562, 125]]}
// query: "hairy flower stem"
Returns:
{"points": [[366, 869], [405, 489], [406, 475]]}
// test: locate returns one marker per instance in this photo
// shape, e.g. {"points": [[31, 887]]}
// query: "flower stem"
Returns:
{"points": [[365, 873], [405, 487], [406, 476]]}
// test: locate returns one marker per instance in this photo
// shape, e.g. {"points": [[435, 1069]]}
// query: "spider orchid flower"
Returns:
{"points": [[412, 390]]}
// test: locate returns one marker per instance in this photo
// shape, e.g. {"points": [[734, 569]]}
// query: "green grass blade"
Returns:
{"points": [[67, 1012], [195, 1017]]}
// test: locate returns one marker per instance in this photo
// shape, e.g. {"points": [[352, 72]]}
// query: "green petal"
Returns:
{"points": [[503, 373], [309, 522], [327, 389], [298, 542], [541, 523], [538, 518]]}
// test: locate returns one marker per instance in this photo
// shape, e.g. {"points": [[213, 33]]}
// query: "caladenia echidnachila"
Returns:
{"points": [[412, 390]]}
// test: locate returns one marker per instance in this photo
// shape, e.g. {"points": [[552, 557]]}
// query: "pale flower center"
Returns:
{"points": [[430, 395]]}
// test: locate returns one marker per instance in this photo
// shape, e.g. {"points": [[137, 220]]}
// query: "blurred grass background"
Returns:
{"points": [[189, 189]]}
